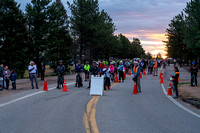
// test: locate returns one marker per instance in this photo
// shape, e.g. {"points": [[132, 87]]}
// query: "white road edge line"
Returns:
{"points": [[27, 96], [178, 104]]}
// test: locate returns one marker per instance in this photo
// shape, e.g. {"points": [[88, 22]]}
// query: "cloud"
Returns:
{"points": [[144, 19]]}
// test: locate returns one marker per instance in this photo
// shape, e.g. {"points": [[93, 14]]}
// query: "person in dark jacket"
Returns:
{"points": [[194, 71], [94, 70], [13, 78], [42, 70], [60, 71], [78, 69], [176, 80]]}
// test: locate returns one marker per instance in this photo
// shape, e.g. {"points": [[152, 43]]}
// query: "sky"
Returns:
{"points": [[144, 19]]}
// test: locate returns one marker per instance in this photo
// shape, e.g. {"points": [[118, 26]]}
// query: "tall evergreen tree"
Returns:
{"points": [[13, 36], [37, 19], [59, 40]]}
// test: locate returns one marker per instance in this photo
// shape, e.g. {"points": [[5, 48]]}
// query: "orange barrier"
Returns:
{"points": [[144, 72], [129, 73], [140, 75]]}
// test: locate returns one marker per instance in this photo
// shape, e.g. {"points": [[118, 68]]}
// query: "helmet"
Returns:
{"points": [[60, 61]]}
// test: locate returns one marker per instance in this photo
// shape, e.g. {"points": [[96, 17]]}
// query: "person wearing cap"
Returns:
{"points": [[194, 71], [136, 75], [78, 69], [121, 71], [33, 74], [94, 70], [87, 70], [60, 71]]}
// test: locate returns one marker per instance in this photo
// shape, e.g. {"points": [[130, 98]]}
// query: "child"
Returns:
{"points": [[13, 78]]}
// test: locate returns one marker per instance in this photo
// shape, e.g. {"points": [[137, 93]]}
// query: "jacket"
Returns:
{"points": [[176, 77], [6, 74], [13, 76], [60, 69]]}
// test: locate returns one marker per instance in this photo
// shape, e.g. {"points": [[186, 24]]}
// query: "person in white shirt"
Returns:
{"points": [[33, 74]]}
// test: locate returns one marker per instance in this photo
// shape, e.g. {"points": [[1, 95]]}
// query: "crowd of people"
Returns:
{"points": [[6, 76], [109, 69]]}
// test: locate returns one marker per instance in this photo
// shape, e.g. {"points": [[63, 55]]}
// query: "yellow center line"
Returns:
{"points": [[89, 116]]}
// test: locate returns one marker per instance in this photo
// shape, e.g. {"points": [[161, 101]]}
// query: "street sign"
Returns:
{"points": [[97, 85]]}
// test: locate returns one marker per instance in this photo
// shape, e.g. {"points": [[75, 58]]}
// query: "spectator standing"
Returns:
{"points": [[194, 71], [33, 74], [13, 78], [42, 70], [1, 77], [6, 74]]}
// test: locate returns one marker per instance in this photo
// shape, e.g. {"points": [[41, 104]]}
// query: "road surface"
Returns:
{"points": [[118, 111]]}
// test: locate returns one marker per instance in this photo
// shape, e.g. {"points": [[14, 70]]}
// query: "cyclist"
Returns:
{"points": [[87, 70], [60, 71], [194, 70], [78, 69]]}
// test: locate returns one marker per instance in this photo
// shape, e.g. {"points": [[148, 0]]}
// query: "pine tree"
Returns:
{"points": [[59, 40], [37, 19], [13, 36]]}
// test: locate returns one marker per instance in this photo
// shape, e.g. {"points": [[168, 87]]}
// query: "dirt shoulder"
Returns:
{"points": [[25, 84]]}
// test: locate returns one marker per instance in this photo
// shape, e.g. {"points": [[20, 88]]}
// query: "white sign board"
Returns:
{"points": [[97, 85]]}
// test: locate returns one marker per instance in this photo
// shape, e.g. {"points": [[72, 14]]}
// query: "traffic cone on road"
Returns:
{"points": [[140, 75], [129, 73], [117, 80], [170, 89], [160, 74], [45, 88], [65, 86], [161, 79], [144, 72], [135, 88]]}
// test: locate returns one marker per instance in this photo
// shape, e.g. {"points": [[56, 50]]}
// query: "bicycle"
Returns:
{"points": [[60, 81], [78, 80], [193, 80]]}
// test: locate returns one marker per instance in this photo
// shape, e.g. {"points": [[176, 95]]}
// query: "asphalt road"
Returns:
{"points": [[118, 111]]}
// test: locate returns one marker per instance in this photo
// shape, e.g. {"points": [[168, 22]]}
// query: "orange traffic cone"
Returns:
{"points": [[160, 74], [45, 88], [170, 89], [117, 80], [161, 78], [144, 72], [129, 72], [135, 88], [140, 75], [65, 86]]}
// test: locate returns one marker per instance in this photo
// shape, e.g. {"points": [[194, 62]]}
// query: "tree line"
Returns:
{"points": [[45, 33], [183, 34]]}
